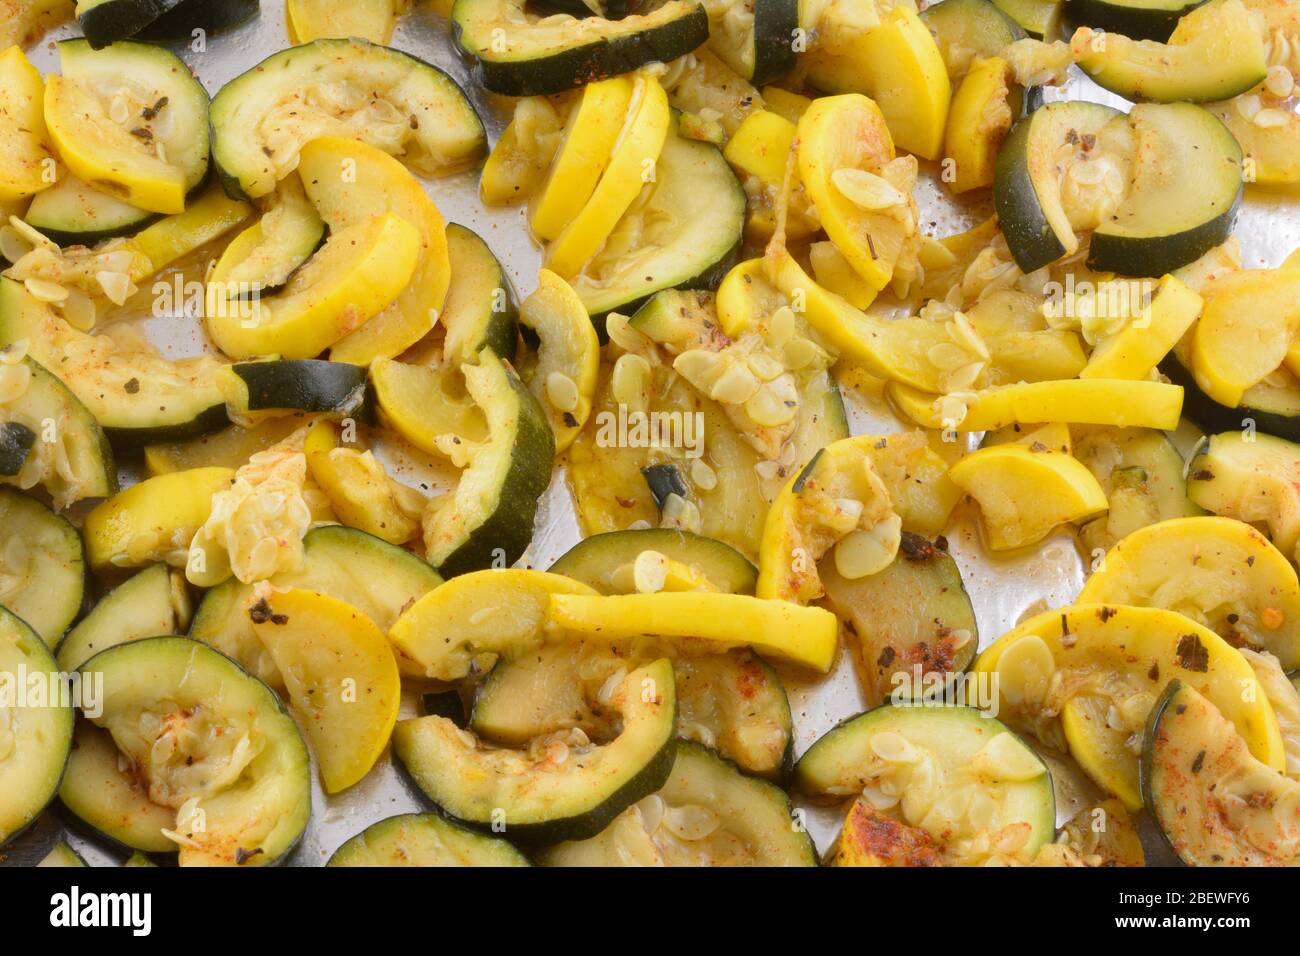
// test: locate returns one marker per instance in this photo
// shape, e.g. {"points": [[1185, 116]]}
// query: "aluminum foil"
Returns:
{"points": [[1002, 590]]}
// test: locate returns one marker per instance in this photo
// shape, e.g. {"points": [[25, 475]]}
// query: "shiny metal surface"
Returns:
{"points": [[1002, 590]]}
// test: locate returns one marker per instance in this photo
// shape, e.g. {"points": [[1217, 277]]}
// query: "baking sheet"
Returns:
{"points": [[1002, 590]]}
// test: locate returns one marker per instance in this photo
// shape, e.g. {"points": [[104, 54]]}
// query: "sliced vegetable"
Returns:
{"points": [[424, 839], [966, 29], [309, 91], [228, 448], [982, 111], [706, 814], [522, 53], [151, 603], [534, 799], [1272, 406], [1041, 19], [428, 407], [205, 735], [37, 737], [105, 21], [71, 213], [1251, 477], [599, 560], [1219, 572], [1120, 402], [1149, 335], [1139, 19], [358, 487], [1245, 331], [754, 38], [480, 310], [42, 565], [1216, 803], [26, 160], [62, 856], [568, 356], [371, 20], [257, 390], [261, 259]]}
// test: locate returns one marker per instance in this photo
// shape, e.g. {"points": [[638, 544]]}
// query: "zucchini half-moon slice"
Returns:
{"points": [[595, 560], [35, 738], [424, 839], [216, 751], [522, 54], [533, 797], [46, 585], [760, 47], [105, 21], [1137, 19]]}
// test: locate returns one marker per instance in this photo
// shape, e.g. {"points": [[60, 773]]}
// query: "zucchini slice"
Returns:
{"points": [[521, 53], [131, 120], [529, 795], [596, 560], [963, 750], [106, 21], [1251, 477], [1219, 572], [687, 235], [914, 623], [16, 441], [733, 703], [77, 461], [24, 144], [754, 37], [1140, 650], [1272, 406], [71, 213], [481, 309], [1215, 803], [375, 577], [62, 856], [706, 814], [1215, 53], [256, 390], [212, 16], [135, 394], [421, 111], [1138, 19], [424, 839], [488, 520], [42, 565], [151, 603], [206, 738], [966, 29], [262, 258], [1142, 474], [37, 738], [1040, 19]]}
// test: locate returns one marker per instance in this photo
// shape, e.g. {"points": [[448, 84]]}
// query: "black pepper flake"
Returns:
{"points": [[1203, 474], [1154, 673], [261, 612], [132, 386], [1199, 762], [886, 657], [1192, 654], [569, 420], [1106, 613], [242, 856], [149, 112]]}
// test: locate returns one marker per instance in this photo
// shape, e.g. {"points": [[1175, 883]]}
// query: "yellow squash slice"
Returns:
{"points": [[428, 407], [341, 676], [1101, 667], [26, 161], [1023, 494], [568, 358], [358, 488], [980, 117], [1149, 335], [1249, 320], [372, 20]]}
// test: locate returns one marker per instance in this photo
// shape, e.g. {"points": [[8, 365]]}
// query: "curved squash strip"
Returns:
{"points": [[105, 155], [899, 66], [1272, 153], [209, 217], [1101, 668], [590, 137], [979, 119], [1119, 402], [1219, 572], [802, 635], [453, 630], [568, 358], [849, 133], [630, 167], [371, 20], [517, 166], [1249, 321], [745, 298], [416, 401], [357, 486], [354, 277], [341, 676], [1024, 494], [1149, 336], [758, 149], [154, 520], [380, 184], [23, 146]]}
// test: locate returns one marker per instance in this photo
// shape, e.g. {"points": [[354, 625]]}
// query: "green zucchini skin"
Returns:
{"points": [[112, 20], [497, 330], [16, 441], [664, 480], [211, 16], [1214, 418], [775, 23], [571, 67], [1128, 17], [205, 422], [305, 385], [593, 559], [446, 836], [1143, 257]]}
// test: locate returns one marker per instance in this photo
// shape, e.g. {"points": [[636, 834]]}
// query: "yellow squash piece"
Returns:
{"points": [[898, 65], [835, 274], [979, 119], [106, 156], [380, 184], [516, 167], [450, 630], [1245, 330], [154, 520], [418, 403], [354, 276], [357, 486], [758, 151], [745, 298], [779, 629], [630, 168], [1120, 402], [1219, 572], [1271, 153], [1149, 336], [784, 103], [848, 133], [207, 218], [372, 20], [26, 161], [1023, 494], [1113, 661], [341, 676], [590, 136], [568, 358]]}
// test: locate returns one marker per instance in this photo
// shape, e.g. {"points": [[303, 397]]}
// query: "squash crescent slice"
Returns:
{"points": [[568, 358], [1245, 332], [24, 151]]}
